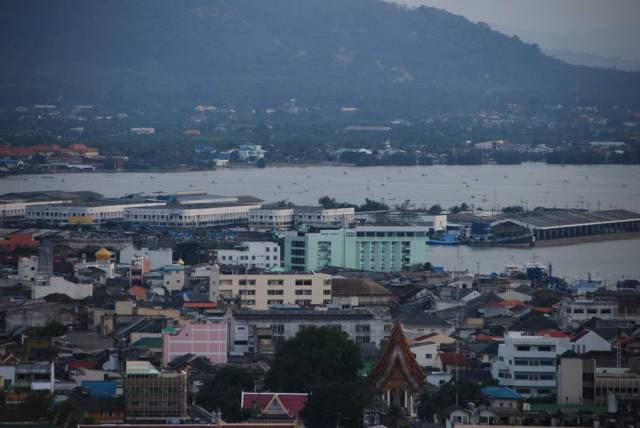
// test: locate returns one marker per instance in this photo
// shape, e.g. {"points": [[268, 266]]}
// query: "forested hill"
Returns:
{"points": [[378, 56]]}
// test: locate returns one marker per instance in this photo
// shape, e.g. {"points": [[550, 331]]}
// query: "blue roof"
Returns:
{"points": [[500, 392], [587, 285]]}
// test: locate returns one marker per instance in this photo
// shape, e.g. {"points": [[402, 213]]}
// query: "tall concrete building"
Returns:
{"points": [[370, 248]]}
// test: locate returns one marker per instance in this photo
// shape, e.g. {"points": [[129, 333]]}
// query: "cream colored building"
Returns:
{"points": [[262, 290]]}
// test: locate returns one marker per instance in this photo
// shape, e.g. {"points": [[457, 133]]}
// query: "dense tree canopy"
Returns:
{"points": [[314, 356], [222, 393]]}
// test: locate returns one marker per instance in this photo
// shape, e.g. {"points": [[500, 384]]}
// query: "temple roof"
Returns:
{"points": [[397, 355]]}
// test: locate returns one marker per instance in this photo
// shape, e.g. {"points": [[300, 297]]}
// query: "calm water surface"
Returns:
{"points": [[487, 186]]}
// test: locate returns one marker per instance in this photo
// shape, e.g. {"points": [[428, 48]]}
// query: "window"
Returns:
{"points": [[363, 328], [275, 282], [605, 311], [546, 348], [578, 311], [428, 356], [326, 292], [277, 328], [523, 348], [303, 282]]}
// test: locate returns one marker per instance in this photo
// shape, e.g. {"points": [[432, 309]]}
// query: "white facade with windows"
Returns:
{"points": [[343, 216], [84, 214], [12, 210], [572, 313], [264, 290], [527, 364], [264, 255], [271, 218], [190, 215]]}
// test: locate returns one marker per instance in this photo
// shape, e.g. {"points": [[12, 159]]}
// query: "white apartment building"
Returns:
{"points": [[262, 290], [267, 218], [573, 312], [528, 364], [264, 255], [284, 218], [342, 216], [191, 215], [90, 213]]}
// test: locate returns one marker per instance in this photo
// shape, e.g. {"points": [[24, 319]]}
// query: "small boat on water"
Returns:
{"points": [[444, 239]]}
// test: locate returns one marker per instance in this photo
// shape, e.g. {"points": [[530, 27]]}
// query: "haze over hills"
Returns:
{"points": [[379, 56]]}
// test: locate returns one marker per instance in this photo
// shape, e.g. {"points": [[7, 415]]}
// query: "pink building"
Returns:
{"points": [[206, 340]]}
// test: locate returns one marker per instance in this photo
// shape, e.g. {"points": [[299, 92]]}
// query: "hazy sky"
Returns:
{"points": [[605, 27]]}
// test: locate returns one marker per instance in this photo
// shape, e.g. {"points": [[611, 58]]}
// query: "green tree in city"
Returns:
{"points": [[323, 362], [223, 392]]}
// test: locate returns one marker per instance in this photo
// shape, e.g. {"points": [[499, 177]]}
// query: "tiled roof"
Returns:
{"points": [[357, 286], [453, 359], [293, 403]]}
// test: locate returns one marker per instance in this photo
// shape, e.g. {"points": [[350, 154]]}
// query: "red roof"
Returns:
{"points": [[505, 303], [138, 291], [453, 359], [425, 337], [552, 333], [579, 335], [481, 337], [293, 403], [199, 305], [543, 310], [83, 364]]}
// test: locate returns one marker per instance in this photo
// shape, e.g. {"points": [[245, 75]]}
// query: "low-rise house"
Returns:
{"points": [[587, 341], [425, 353]]}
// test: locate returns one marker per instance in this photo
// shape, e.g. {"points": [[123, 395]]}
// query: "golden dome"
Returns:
{"points": [[103, 254]]}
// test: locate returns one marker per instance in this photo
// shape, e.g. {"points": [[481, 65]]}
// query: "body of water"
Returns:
{"points": [[486, 186]]}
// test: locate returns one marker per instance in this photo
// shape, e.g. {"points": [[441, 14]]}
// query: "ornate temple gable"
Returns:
{"points": [[397, 366]]}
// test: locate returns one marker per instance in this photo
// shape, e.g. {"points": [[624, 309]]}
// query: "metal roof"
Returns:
{"points": [[548, 219]]}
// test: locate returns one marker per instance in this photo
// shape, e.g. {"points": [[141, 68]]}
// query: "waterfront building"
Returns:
{"points": [[557, 223], [370, 248], [151, 395], [258, 289], [264, 255], [194, 214], [276, 217], [271, 217], [321, 215], [251, 151], [207, 340], [94, 212], [527, 364], [257, 331]]}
